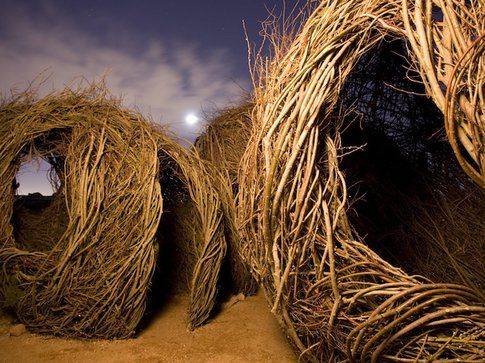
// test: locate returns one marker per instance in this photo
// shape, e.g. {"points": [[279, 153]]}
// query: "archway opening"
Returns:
{"points": [[409, 199], [39, 216]]}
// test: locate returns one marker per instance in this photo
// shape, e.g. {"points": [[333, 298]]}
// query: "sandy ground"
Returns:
{"points": [[244, 332]]}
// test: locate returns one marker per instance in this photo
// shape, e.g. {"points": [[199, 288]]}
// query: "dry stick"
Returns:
{"points": [[423, 320], [451, 125]]}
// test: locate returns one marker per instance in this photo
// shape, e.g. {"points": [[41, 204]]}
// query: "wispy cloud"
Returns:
{"points": [[165, 81]]}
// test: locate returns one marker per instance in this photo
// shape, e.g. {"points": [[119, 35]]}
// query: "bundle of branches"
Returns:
{"points": [[336, 298], [92, 281], [222, 144]]}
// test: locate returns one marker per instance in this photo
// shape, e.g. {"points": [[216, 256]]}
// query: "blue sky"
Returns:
{"points": [[167, 58]]}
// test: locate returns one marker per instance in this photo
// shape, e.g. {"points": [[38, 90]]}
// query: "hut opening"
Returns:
{"points": [[179, 238], [39, 218], [408, 197], [197, 228]]}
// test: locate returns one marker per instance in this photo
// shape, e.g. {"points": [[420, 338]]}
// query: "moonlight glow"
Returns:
{"points": [[191, 119]]}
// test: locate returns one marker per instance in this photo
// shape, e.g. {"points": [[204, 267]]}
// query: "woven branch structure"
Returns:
{"points": [[222, 144], [90, 277], [225, 138], [336, 299], [210, 222], [91, 282], [283, 214]]}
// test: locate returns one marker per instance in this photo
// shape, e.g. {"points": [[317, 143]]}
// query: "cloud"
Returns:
{"points": [[164, 81]]}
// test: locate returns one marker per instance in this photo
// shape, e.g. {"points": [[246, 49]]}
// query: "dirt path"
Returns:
{"points": [[244, 332]]}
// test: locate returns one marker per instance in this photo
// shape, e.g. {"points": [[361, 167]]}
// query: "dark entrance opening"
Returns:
{"points": [[410, 200]]}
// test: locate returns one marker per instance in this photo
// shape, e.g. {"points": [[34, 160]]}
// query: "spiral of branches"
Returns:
{"points": [[337, 299]]}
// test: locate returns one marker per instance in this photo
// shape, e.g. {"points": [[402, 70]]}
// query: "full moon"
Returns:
{"points": [[191, 119]]}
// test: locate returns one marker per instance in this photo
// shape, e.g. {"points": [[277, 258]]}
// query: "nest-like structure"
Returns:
{"points": [[336, 298], [92, 281], [82, 267]]}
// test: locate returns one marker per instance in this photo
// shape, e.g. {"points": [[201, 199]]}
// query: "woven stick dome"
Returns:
{"points": [[89, 276], [92, 281], [335, 297]]}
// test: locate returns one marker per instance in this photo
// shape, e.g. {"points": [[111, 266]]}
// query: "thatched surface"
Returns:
{"points": [[336, 298], [225, 138]]}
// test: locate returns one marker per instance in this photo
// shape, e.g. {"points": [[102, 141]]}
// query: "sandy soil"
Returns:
{"points": [[244, 332]]}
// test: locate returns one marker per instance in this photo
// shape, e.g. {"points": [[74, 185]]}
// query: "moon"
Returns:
{"points": [[191, 119]]}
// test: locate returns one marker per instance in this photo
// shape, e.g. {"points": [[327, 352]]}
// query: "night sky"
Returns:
{"points": [[168, 58]]}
